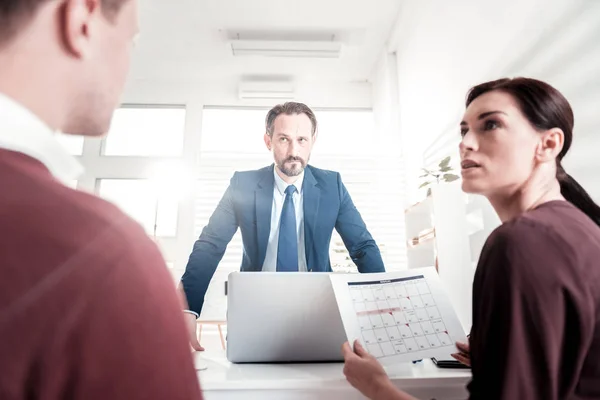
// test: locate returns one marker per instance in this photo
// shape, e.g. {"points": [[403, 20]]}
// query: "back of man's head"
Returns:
{"points": [[15, 13], [67, 60]]}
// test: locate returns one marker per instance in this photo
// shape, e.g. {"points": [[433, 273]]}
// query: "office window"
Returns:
{"points": [[156, 210], [232, 141], [72, 143], [227, 131], [147, 132], [344, 133]]}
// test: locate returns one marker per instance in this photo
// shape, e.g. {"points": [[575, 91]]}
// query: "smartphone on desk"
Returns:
{"points": [[449, 364]]}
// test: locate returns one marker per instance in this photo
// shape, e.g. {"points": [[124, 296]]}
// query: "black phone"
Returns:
{"points": [[449, 364]]}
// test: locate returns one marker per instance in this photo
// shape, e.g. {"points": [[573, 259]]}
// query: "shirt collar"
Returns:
{"points": [[281, 185], [24, 132]]}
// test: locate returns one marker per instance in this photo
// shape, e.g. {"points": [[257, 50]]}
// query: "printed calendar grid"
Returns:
{"points": [[398, 316]]}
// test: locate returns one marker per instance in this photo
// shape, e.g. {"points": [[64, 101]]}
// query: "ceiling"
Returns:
{"points": [[188, 42]]}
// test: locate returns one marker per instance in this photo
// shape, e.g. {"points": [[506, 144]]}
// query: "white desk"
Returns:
{"points": [[223, 380]]}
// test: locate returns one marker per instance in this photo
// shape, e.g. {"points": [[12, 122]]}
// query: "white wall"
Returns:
{"points": [[444, 48]]}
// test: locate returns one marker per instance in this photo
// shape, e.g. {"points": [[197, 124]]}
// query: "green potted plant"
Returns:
{"points": [[443, 173]]}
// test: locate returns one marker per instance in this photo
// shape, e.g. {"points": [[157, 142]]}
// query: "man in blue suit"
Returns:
{"points": [[286, 213]]}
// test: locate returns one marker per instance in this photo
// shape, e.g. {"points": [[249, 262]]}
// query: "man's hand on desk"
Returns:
{"points": [[190, 320], [192, 325], [366, 374]]}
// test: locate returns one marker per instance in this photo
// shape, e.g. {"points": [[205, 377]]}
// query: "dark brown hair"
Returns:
{"points": [[15, 13], [545, 108], [289, 108]]}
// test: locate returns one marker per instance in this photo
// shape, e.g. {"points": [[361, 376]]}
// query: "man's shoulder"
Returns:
{"points": [[254, 174], [106, 225], [68, 220], [324, 173], [99, 212], [74, 236], [94, 211], [324, 177]]}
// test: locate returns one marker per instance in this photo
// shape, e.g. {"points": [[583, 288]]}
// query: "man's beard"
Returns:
{"points": [[291, 170]]}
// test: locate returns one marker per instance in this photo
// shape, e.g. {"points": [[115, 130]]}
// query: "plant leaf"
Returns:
{"points": [[446, 169], [450, 177], [445, 162], [424, 184]]}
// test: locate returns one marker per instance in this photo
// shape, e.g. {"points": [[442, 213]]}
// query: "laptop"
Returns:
{"points": [[283, 317]]}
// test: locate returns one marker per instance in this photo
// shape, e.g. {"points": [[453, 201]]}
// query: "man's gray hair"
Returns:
{"points": [[289, 108]]}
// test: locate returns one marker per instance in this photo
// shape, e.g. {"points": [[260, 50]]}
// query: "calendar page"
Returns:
{"points": [[398, 316]]}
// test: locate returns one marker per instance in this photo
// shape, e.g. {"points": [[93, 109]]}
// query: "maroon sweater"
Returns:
{"points": [[536, 308], [87, 307]]}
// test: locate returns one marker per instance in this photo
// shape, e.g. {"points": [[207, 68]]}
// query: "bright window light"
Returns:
{"points": [[171, 177], [146, 132], [156, 211], [344, 133], [233, 131]]}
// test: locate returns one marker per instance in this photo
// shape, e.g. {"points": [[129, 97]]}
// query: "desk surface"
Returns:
{"points": [[221, 377]]}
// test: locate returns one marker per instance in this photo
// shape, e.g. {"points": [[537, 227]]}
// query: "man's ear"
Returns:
{"points": [[78, 21], [551, 144], [268, 141]]}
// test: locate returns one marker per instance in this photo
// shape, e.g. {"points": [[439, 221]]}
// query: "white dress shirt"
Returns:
{"points": [[22, 131], [270, 263]]}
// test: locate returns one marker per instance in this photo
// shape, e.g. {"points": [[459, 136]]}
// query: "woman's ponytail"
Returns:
{"points": [[576, 195]]}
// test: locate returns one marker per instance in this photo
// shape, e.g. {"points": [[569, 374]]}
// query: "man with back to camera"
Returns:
{"points": [[87, 307], [286, 213]]}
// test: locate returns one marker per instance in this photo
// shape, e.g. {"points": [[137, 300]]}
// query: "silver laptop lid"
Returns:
{"points": [[283, 317]]}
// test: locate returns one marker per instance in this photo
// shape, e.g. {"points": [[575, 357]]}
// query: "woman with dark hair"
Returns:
{"points": [[536, 292]]}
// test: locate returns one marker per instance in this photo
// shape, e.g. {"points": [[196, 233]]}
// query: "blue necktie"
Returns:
{"points": [[287, 249]]}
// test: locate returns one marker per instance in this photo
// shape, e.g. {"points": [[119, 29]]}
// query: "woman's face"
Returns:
{"points": [[498, 145]]}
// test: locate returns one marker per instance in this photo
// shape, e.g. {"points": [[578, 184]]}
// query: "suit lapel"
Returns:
{"points": [[312, 198], [263, 202]]}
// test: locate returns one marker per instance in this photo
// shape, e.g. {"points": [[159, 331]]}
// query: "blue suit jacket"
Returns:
{"points": [[247, 204]]}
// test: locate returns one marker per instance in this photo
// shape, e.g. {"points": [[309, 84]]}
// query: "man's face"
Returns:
{"points": [[291, 143], [105, 66]]}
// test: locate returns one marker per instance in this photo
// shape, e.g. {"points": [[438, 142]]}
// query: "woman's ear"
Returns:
{"points": [[551, 144]]}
